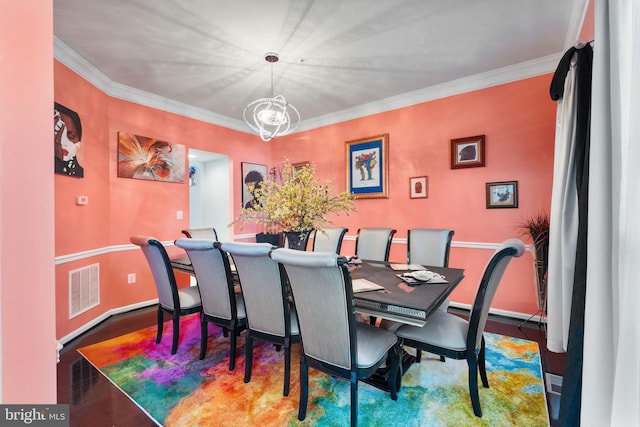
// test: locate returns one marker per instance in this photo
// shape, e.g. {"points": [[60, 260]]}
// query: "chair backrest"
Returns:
{"points": [[323, 295], [374, 243], [160, 265], [213, 274], [329, 239], [429, 246], [265, 297], [208, 233], [488, 285]]}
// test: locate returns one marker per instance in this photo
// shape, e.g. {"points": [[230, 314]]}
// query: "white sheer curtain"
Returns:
{"points": [[563, 230], [611, 376]]}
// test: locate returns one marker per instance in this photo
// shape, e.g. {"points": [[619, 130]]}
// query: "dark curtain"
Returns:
{"points": [[570, 400]]}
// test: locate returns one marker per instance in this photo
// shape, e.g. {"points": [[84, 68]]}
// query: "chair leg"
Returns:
{"points": [[442, 359], [232, 353], [248, 364], [418, 355], [395, 376], [481, 366], [287, 367], [160, 324], [176, 332], [473, 384], [204, 335], [354, 400], [304, 388]]}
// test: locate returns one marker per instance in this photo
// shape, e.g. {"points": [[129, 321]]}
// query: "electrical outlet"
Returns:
{"points": [[131, 278], [179, 215]]}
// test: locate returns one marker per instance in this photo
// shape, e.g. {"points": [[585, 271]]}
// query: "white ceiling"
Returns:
{"points": [[339, 59]]}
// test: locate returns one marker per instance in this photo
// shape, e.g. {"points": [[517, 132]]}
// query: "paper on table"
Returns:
{"points": [[407, 267], [364, 285]]}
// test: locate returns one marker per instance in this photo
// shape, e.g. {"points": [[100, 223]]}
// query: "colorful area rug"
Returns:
{"points": [[181, 390]]}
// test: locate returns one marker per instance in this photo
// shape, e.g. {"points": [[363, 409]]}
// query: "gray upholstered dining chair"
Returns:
{"points": [[171, 299], [208, 233], [328, 239], [332, 340], [270, 316], [429, 246], [374, 243], [452, 336], [221, 305]]}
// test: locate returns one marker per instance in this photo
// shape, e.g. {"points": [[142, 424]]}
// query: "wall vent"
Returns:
{"points": [[84, 289]]}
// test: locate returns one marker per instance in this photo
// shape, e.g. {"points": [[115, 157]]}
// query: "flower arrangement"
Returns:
{"points": [[297, 204]]}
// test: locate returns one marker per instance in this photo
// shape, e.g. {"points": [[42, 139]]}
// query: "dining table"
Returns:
{"points": [[388, 293]]}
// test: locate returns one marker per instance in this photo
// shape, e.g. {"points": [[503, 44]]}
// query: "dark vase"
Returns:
{"points": [[297, 239], [274, 239]]}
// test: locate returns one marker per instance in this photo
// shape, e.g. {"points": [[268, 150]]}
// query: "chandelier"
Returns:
{"points": [[271, 117]]}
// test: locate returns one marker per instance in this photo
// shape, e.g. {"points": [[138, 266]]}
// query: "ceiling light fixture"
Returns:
{"points": [[271, 117]]}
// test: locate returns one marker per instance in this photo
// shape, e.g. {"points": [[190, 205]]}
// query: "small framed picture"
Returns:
{"points": [[418, 187], [467, 152], [502, 194], [300, 165]]}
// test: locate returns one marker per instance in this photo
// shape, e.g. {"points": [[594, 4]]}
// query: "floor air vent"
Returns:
{"points": [[84, 289], [554, 383]]}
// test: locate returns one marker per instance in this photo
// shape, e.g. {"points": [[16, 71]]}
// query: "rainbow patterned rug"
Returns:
{"points": [[181, 390]]}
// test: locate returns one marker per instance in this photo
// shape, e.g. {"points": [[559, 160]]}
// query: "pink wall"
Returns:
{"points": [[28, 348], [518, 120], [119, 207]]}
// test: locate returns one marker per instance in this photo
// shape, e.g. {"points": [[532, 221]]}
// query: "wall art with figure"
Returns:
{"points": [[67, 134], [252, 176], [367, 167]]}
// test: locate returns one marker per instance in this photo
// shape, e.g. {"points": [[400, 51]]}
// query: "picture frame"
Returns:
{"points": [[367, 167], [164, 161], [252, 175], [468, 152], [418, 187], [503, 194], [300, 165]]}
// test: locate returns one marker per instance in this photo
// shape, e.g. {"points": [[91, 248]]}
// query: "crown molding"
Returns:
{"points": [[528, 69]]}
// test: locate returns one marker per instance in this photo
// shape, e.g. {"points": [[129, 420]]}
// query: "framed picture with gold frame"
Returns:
{"points": [[367, 167]]}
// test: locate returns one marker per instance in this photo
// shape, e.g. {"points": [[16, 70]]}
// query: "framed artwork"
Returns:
{"points": [[502, 194], [141, 157], [300, 165], [367, 167], [252, 176], [467, 152], [67, 137], [418, 187]]}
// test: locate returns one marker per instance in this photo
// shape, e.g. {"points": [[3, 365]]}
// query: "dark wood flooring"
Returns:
{"points": [[94, 401]]}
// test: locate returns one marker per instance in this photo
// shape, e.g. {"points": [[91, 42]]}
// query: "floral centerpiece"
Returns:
{"points": [[297, 204]]}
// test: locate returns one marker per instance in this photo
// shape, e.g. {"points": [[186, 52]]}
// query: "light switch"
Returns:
{"points": [[179, 215]]}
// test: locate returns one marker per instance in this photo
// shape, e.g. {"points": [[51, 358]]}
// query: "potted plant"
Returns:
{"points": [[537, 228], [296, 205]]}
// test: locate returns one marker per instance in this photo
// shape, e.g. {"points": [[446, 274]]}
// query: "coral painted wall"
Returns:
{"points": [[120, 207], [518, 121]]}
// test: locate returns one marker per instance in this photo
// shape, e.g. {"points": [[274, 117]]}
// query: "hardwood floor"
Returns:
{"points": [[94, 401]]}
